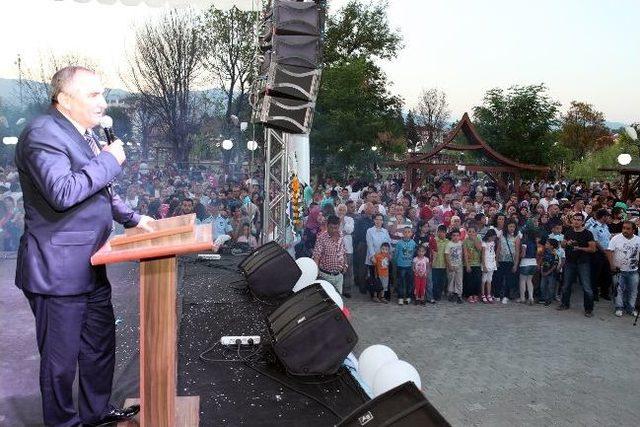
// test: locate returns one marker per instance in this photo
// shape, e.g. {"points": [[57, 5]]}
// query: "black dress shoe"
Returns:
{"points": [[346, 295], [116, 415]]}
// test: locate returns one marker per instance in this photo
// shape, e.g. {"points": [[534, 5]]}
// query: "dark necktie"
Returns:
{"points": [[88, 136]]}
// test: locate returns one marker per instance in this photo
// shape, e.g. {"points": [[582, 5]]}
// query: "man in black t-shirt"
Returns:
{"points": [[579, 245]]}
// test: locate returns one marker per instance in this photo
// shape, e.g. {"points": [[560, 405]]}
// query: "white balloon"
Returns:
{"points": [[371, 359], [624, 159], [394, 373], [309, 273], [331, 291]]}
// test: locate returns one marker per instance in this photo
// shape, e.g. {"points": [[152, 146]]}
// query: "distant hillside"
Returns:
{"points": [[10, 93]]}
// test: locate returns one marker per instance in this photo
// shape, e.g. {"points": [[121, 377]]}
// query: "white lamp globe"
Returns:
{"points": [[227, 144], [252, 145], [624, 159], [631, 132], [374, 148]]}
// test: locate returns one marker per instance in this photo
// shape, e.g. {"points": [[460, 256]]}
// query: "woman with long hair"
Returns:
{"points": [[508, 253]]}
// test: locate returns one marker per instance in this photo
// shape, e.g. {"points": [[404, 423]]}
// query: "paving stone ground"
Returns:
{"points": [[507, 365], [481, 365]]}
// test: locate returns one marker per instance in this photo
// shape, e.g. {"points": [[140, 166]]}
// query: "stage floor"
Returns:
{"points": [[481, 365]]}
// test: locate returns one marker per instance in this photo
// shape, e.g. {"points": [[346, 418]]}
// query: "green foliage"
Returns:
{"points": [[519, 123], [584, 130], [354, 110], [354, 113], [606, 157], [361, 29]]}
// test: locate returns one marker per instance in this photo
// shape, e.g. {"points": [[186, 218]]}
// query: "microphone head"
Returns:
{"points": [[106, 122]]}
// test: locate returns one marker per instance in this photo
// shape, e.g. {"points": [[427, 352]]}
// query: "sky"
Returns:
{"points": [[586, 50]]}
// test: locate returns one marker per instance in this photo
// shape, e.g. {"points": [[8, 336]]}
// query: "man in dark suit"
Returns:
{"points": [[69, 209]]}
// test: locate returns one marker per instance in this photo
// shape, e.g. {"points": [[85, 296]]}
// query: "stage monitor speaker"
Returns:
{"points": [[288, 115], [403, 406], [270, 271], [310, 334]]}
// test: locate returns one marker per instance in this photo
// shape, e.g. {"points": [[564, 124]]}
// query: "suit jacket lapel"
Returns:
{"points": [[71, 130]]}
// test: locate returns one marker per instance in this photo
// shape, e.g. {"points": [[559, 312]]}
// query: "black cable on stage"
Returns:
{"points": [[249, 364], [307, 395]]}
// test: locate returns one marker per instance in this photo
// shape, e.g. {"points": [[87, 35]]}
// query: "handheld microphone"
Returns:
{"points": [[106, 123]]}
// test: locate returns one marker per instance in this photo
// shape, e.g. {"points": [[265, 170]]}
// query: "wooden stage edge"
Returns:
{"points": [[187, 412]]}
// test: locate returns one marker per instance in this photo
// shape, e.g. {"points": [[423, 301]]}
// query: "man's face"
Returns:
{"points": [[82, 99], [351, 208], [549, 193], [333, 229], [576, 221], [433, 202], [187, 206], [636, 202], [344, 193], [627, 230], [553, 210]]}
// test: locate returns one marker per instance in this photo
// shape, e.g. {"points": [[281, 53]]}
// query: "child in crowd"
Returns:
{"points": [[403, 260], [453, 257], [550, 262], [556, 234], [246, 236], [381, 261], [472, 249], [438, 262], [528, 264], [489, 264], [420, 266]]}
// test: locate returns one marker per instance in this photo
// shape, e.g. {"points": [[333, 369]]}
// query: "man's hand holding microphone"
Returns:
{"points": [[116, 149]]}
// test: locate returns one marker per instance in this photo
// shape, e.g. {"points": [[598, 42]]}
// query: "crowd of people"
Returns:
{"points": [[233, 204], [456, 237]]}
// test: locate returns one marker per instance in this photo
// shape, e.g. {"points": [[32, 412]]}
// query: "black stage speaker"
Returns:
{"points": [[270, 271], [403, 406], [288, 115], [310, 334]]}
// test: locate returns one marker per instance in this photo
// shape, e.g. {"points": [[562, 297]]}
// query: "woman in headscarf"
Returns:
{"points": [[313, 226]]}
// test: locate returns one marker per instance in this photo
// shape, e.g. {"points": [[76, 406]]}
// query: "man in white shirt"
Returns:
{"points": [[624, 253], [548, 198]]}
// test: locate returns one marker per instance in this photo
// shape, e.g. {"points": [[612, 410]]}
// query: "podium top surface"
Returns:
{"points": [[170, 236]]}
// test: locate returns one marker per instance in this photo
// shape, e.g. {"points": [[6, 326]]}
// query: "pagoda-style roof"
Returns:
{"points": [[476, 143]]}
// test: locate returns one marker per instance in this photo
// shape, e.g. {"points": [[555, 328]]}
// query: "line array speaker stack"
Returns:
{"points": [[289, 74]]}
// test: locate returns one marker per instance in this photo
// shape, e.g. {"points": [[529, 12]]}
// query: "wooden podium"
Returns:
{"points": [[157, 252]]}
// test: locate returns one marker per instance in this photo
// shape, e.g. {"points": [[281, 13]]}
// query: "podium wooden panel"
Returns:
{"points": [[156, 251]]}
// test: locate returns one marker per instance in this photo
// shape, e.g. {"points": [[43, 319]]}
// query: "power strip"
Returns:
{"points": [[244, 340]]}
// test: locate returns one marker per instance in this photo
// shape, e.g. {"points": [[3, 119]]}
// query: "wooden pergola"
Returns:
{"points": [[627, 173], [433, 160]]}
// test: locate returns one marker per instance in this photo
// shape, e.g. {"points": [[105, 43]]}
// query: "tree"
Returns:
{"points": [[361, 29], [354, 113], [231, 53], [355, 110], [411, 131], [519, 123], [434, 114], [164, 69], [583, 129]]}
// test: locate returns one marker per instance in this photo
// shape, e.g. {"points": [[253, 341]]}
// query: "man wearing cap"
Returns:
{"points": [[600, 271]]}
